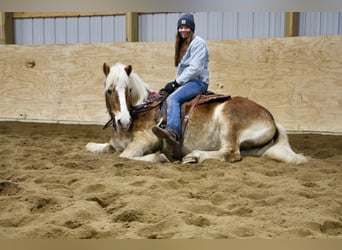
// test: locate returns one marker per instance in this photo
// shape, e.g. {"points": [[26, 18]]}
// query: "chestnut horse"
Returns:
{"points": [[224, 131]]}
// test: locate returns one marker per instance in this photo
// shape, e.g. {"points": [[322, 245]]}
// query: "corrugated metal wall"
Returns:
{"points": [[162, 27], [60, 30], [320, 23], [214, 25]]}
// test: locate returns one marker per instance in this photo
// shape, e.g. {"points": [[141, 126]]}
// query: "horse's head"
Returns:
{"points": [[123, 90]]}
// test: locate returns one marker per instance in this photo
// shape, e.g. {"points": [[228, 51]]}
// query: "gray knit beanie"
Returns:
{"points": [[188, 20]]}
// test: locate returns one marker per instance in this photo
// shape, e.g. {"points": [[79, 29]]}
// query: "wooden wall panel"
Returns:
{"points": [[65, 82], [297, 79]]}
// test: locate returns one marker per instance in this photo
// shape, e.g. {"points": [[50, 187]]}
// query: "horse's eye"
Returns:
{"points": [[109, 91], [130, 90]]}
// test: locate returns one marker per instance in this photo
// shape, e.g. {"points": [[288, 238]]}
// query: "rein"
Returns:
{"points": [[110, 122], [153, 101]]}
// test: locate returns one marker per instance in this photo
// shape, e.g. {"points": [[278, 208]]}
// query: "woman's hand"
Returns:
{"points": [[169, 87]]}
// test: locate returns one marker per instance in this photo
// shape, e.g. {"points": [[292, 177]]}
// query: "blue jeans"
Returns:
{"points": [[184, 93]]}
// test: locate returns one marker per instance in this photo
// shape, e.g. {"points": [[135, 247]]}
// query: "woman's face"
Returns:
{"points": [[184, 31]]}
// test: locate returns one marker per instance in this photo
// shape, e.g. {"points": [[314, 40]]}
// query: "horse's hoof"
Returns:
{"points": [[187, 160], [162, 158], [235, 158]]}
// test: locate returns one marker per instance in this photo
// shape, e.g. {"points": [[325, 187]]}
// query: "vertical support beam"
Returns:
{"points": [[132, 27], [291, 24], [6, 28], [2, 28]]}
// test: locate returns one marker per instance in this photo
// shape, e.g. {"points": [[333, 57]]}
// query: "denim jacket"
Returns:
{"points": [[194, 64]]}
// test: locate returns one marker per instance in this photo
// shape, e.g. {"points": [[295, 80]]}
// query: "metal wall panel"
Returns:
{"points": [[214, 25], [162, 27], [95, 29], [230, 21], [201, 22], [61, 30], [157, 27], [119, 29], [23, 31], [340, 23], [49, 31], [107, 29], [320, 23], [329, 23], [261, 25], [245, 25], [171, 26], [84, 29], [38, 31], [277, 24], [72, 30]]}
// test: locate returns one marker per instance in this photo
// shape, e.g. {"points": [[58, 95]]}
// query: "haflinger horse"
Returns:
{"points": [[222, 130]]}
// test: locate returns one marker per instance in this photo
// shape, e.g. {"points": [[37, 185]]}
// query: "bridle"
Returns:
{"points": [[154, 100], [110, 122]]}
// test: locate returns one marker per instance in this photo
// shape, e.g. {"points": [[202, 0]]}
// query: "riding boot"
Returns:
{"points": [[169, 134]]}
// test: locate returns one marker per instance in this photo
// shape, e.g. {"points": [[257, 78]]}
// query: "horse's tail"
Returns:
{"points": [[281, 149]]}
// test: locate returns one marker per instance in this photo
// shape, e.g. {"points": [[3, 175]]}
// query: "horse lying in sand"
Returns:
{"points": [[224, 130]]}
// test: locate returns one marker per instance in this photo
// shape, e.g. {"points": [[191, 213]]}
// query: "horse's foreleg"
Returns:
{"points": [[99, 147], [154, 157], [230, 152], [198, 156], [144, 147], [139, 156]]}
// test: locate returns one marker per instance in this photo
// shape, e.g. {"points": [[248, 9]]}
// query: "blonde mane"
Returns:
{"points": [[118, 78]]}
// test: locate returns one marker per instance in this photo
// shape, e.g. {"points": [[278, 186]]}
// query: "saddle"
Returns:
{"points": [[155, 99], [188, 107]]}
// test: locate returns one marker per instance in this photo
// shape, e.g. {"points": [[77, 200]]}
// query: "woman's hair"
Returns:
{"points": [[181, 46]]}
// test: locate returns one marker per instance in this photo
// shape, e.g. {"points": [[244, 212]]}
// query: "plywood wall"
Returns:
{"points": [[297, 79]]}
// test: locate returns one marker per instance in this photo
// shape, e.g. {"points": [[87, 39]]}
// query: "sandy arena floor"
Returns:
{"points": [[50, 187]]}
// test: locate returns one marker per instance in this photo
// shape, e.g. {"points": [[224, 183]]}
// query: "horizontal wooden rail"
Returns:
{"points": [[62, 14]]}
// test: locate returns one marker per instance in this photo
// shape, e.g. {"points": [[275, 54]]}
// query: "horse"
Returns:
{"points": [[220, 130]]}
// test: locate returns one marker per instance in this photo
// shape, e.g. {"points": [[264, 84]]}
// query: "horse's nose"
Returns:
{"points": [[119, 122], [124, 123]]}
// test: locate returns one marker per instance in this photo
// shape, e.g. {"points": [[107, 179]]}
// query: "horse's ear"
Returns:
{"points": [[128, 69], [106, 69]]}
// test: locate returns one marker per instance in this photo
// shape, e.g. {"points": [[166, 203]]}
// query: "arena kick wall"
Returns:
{"points": [[299, 79]]}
